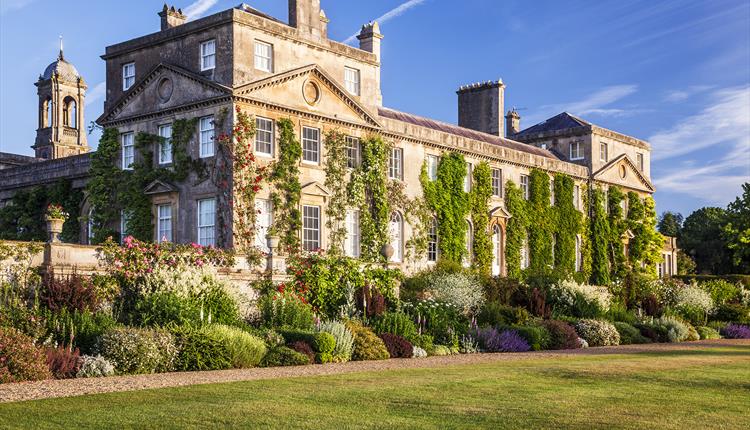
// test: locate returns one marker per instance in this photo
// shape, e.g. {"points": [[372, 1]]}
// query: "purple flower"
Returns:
{"points": [[511, 341], [736, 331]]}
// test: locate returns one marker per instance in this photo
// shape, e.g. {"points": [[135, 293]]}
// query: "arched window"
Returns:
{"points": [[525, 253], [70, 111], [432, 241], [48, 113], [396, 228], [469, 243], [496, 242]]}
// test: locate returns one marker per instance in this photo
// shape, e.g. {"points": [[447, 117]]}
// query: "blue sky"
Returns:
{"points": [[676, 73]]}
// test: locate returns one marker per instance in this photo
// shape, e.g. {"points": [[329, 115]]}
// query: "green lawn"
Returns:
{"points": [[697, 389]]}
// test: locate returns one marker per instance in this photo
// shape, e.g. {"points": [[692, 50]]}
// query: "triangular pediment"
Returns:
{"points": [[159, 187], [500, 212], [315, 189], [622, 171], [308, 89], [165, 87]]}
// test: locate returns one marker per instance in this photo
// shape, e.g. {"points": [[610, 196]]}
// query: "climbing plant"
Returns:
{"points": [[600, 237], [542, 235], [617, 229], [450, 203], [23, 217], [287, 189], [336, 169], [644, 247], [416, 214], [480, 198], [516, 229], [568, 226], [104, 180]]}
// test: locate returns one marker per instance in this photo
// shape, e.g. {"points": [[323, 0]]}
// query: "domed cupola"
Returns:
{"points": [[61, 90]]}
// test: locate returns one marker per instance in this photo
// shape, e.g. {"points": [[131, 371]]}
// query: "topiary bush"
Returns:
{"points": [[245, 350], [95, 367], [396, 323], [201, 349], [561, 335], [20, 360], [736, 331], [367, 345], [397, 346], [134, 350], [597, 332], [344, 340], [707, 333], [63, 361], [284, 356], [629, 334], [496, 314]]}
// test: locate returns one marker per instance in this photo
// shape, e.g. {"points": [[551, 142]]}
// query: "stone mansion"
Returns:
{"points": [[271, 69]]}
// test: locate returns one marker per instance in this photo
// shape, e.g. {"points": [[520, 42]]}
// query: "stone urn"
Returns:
{"points": [[54, 228], [273, 243], [387, 252]]}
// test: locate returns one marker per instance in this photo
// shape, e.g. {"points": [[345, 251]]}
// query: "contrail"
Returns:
{"points": [[198, 8], [393, 13]]}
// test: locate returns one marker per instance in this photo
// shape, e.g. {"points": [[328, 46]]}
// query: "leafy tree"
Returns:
{"points": [[737, 231], [670, 224], [685, 264], [702, 239]]}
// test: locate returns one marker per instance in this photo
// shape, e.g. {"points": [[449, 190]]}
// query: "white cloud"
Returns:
{"points": [[595, 104], [96, 93], [11, 5], [726, 121], [198, 8], [393, 13], [677, 96]]}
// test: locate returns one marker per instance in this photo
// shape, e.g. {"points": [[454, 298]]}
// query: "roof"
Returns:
{"points": [[561, 121], [8, 159], [463, 132], [249, 9], [62, 69]]}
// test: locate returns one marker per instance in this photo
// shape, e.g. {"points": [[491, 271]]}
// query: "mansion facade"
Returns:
{"points": [[244, 59]]}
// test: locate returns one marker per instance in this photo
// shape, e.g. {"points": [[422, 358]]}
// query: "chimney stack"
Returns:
{"points": [[512, 123], [308, 19], [481, 106], [370, 37], [171, 17]]}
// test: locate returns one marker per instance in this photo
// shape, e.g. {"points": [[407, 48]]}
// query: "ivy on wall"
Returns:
{"points": [[600, 238], [644, 248], [617, 229], [336, 169], [569, 225], [287, 189], [104, 180], [416, 214], [480, 197], [516, 229], [542, 235], [450, 203]]}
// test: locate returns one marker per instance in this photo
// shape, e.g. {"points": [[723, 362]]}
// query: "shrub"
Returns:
{"points": [[707, 333], [561, 335], [286, 309], [511, 341], [537, 336], [629, 334], [503, 290], [20, 360], [321, 342], [423, 341], [135, 351], [721, 291], [488, 338], [284, 356], [579, 300], [83, 327], [63, 361], [396, 323], [343, 338], [245, 350], [732, 312], [736, 331], [692, 334], [397, 346], [492, 340], [201, 349], [443, 321], [303, 348], [460, 289], [677, 330], [367, 345], [619, 312], [418, 352], [370, 301], [597, 333], [494, 314], [694, 304], [95, 367], [73, 292], [440, 350]]}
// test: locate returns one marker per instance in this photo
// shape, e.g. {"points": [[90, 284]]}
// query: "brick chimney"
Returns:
{"points": [[512, 123], [481, 107], [171, 17], [308, 19]]}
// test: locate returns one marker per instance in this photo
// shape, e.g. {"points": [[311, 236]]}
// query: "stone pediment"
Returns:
{"points": [[159, 187], [308, 89], [500, 212], [622, 171], [315, 189], [165, 87]]}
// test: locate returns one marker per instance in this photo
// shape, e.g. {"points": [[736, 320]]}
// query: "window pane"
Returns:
{"points": [[165, 147], [396, 228], [207, 136], [264, 136], [263, 56], [208, 55], [432, 242], [467, 178], [311, 228], [263, 222], [351, 79], [353, 152], [164, 223], [432, 165], [206, 222], [128, 151], [352, 242], [311, 144], [497, 182], [396, 164]]}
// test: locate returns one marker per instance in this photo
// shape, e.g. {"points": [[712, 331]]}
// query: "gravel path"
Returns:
{"points": [[75, 387]]}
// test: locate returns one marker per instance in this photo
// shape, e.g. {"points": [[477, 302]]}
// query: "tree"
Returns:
{"points": [[702, 239], [737, 231], [670, 224]]}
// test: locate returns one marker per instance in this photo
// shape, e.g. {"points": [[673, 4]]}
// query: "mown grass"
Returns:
{"points": [[699, 389]]}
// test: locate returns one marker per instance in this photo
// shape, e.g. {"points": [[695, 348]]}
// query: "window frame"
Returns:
{"points": [[468, 177], [257, 56], [396, 230], [577, 197], [356, 84], [164, 144], [353, 152], [433, 242], [432, 168], [204, 56], [306, 140], [264, 209], [211, 142], [162, 220], [396, 164], [131, 152], [497, 182], [525, 187], [128, 80], [314, 243], [263, 132], [603, 152], [353, 240], [578, 151], [124, 220], [204, 227], [639, 159]]}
